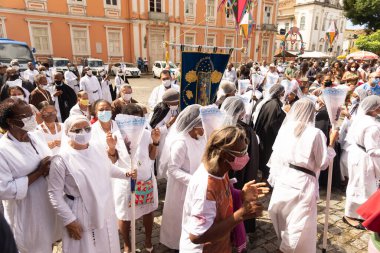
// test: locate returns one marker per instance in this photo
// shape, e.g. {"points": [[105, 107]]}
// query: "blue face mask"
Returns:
{"points": [[376, 81], [104, 116]]}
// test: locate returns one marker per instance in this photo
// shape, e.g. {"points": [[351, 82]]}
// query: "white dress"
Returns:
{"points": [[91, 85], [363, 164], [156, 95], [106, 93], [293, 205], [271, 79], [27, 208], [86, 179], [72, 81], [75, 110], [185, 158], [48, 136]]}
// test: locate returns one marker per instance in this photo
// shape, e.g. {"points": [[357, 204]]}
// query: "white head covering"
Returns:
{"points": [[233, 107], [72, 120], [225, 87], [188, 119], [361, 93], [274, 92], [370, 103]]}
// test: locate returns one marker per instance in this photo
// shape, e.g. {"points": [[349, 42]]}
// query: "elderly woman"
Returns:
{"points": [[299, 153], [183, 152], [363, 158], [49, 128], [81, 193], [226, 89], [125, 97], [208, 215], [24, 164], [267, 121]]}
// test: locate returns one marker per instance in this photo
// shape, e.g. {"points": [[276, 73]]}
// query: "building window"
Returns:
{"points": [[189, 7], [80, 41], [155, 5], [316, 23], [211, 41], [341, 26], [229, 42], [189, 40], [40, 38], [302, 23], [338, 50], [81, 2], [264, 50], [286, 27], [267, 14], [324, 24], [115, 42], [3, 34], [210, 9], [320, 48], [111, 2], [313, 47]]}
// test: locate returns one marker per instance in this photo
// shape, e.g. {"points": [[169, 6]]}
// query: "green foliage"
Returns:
{"points": [[369, 42], [363, 12]]}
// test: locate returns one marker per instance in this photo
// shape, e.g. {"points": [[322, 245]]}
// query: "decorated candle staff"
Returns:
{"points": [[131, 128], [332, 34], [334, 99]]}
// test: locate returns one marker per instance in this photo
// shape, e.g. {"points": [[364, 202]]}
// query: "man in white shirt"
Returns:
{"points": [[91, 85], [105, 84], [158, 92], [230, 73], [30, 73], [264, 68], [72, 77]]}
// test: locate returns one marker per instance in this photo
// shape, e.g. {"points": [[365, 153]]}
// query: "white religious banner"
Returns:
{"points": [[243, 86], [334, 99], [212, 118], [131, 129]]}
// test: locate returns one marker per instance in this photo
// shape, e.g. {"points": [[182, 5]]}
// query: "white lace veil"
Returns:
{"points": [[234, 108]]}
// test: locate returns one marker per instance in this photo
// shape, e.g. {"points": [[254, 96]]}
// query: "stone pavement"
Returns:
{"points": [[341, 237]]}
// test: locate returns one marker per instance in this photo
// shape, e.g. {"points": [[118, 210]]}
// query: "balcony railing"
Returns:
{"points": [[158, 16]]}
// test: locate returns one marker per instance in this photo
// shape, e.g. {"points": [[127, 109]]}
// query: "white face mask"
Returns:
{"points": [[72, 68], [127, 97], [82, 138], [17, 97], [43, 87], [30, 123], [173, 107], [167, 83], [89, 72], [353, 69]]}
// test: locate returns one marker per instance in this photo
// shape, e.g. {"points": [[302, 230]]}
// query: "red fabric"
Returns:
{"points": [[370, 211], [93, 120]]}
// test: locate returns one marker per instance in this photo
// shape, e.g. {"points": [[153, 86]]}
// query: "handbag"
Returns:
{"points": [[143, 192]]}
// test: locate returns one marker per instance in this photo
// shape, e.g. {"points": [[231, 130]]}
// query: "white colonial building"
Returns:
{"points": [[313, 18]]}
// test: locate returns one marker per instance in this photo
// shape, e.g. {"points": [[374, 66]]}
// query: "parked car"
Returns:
{"points": [[96, 65], [129, 69], [60, 64], [158, 66]]}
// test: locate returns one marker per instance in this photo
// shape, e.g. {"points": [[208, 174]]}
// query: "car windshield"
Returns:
{"points": [[95, 63], [172, 66], [15, 51], [61, 63]]}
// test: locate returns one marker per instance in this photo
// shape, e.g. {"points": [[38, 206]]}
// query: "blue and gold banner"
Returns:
{"points": [[201, 75]]}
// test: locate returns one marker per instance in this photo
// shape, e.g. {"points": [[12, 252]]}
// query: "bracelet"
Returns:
{"points": [[156, 144]]}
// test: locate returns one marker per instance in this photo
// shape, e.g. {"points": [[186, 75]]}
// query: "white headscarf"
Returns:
{"points": [[234, 108], [91, 172]]}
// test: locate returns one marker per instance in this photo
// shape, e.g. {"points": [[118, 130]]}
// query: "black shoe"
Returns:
{"points": [[359, 226]]}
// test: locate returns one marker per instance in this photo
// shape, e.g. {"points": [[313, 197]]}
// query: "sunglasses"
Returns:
{"points": [[81, 130]]}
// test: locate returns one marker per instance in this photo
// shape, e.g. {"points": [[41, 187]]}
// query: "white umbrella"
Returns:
{"points": [[315, 55]]}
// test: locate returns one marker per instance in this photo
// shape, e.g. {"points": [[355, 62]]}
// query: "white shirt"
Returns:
{"points": [[106, 93], [156, 95], [91, 85], [30, 74], [230, 75]]}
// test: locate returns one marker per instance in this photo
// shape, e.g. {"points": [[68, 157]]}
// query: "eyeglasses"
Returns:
{"points": [[81, 130], [238, 153]]}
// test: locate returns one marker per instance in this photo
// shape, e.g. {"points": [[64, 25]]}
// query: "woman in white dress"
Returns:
{"points": [[363, 159], [80, 191], [299, 153], [146, 184], [24, 165], [184, 156], [49, 128]]}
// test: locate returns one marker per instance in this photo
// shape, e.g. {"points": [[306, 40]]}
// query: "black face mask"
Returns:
{"points": [[13, 77], [328, 83], [58, 83]]}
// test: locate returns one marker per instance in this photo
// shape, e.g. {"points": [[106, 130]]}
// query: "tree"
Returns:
{"points": [[369, 42], [363, 12]]}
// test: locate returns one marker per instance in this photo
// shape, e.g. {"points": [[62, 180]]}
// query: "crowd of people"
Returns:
{"points": [[66, 171]]}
